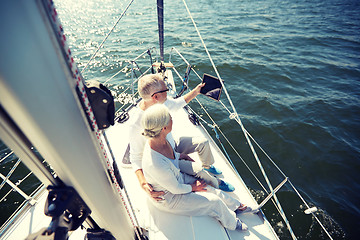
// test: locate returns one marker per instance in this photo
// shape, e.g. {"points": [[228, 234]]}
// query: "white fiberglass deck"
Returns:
{"points": [[162, 225]]}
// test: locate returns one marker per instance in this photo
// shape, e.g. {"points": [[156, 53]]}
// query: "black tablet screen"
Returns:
{"points": [[212, 87]]}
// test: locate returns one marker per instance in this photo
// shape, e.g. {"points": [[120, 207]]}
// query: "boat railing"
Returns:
{"points": [[28, 201], [132, 70], [14, 186], [233, 115], [107, 35]]}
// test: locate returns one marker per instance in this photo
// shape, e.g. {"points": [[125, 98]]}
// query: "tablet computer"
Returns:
{"points": [[212, 87]]}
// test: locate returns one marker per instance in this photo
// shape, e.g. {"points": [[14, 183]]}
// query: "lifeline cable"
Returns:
{"points": [[17, 184], [107, 35], [282, 213], [124, 68], [6, 156]]}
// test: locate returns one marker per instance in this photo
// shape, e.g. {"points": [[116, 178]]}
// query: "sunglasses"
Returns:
{"points": [[159, 92]]}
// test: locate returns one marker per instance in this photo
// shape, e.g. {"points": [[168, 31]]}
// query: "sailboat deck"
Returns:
{"points": [[163, 225]]}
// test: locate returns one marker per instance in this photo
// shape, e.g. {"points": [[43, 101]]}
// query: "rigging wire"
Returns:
{"points": [[107, 35], [213, 121], [18, 184], [292, 186], [241, 125], [212, 126], [135, 93], [79, 81], [126, 67], [6, 156], [231, 116]]}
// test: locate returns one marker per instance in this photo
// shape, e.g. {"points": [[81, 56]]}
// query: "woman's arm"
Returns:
{"points": [[165, 176], [147, 187]]}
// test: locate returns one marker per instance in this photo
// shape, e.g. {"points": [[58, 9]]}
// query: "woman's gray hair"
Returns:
{"points": [[155, 118], [148, 84]]}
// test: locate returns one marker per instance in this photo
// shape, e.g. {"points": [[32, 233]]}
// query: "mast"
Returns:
{"points": [[38, 92], [160, 11]]}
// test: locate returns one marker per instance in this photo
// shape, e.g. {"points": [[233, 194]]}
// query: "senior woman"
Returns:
{"points": [[184, 194]]}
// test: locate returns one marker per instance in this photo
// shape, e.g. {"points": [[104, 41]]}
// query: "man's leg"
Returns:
{"points": [[196, 144]]}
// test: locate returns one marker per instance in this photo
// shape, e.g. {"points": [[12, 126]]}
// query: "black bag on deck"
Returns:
{"points": [[102, 103]]}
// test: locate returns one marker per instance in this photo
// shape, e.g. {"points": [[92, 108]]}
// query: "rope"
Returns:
{"points": [[233, 116], [107, 35], [129, 202], [77, 77], [277, 167], [282, 213], [214, 126], [241, 125], [228, 141]]}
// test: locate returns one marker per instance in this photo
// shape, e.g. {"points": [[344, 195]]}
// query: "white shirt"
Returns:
{"points": [[137, 140], [163, 173]]}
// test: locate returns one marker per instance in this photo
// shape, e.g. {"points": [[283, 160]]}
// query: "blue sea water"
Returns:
{"points": [[292, 69]]}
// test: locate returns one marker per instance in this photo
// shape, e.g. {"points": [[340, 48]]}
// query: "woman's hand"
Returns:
{"points": [[199, 186], [186, 157], [154, 194]]}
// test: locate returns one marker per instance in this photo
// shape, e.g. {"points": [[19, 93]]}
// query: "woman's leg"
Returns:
{"points": [[231, 203], [204, 204], [213, 202]]}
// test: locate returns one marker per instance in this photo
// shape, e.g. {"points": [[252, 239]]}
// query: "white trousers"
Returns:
{"points": [[213, 202], [200, 145]]}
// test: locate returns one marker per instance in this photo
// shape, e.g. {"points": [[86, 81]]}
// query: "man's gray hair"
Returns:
{"points": [[149, 84]]}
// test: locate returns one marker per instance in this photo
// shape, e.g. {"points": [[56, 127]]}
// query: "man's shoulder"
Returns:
{"points": [[171, 100], [136, 116], [175, 103]]}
